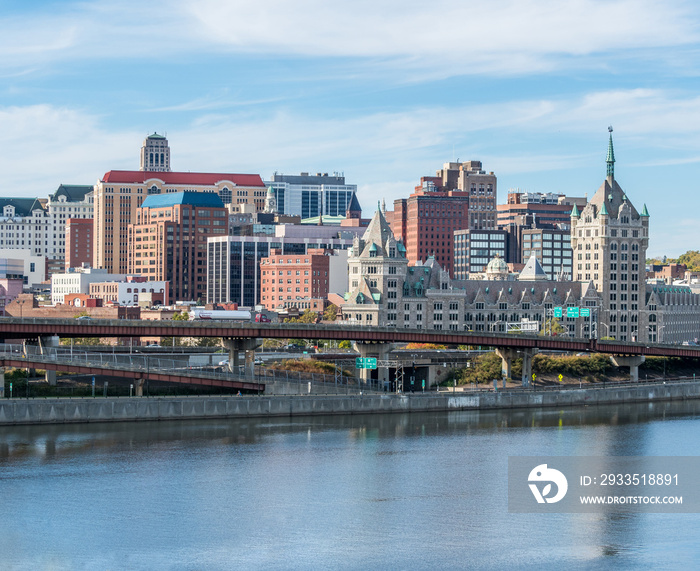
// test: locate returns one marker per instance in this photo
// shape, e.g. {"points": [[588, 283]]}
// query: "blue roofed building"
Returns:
{"points": [[168, 240]]}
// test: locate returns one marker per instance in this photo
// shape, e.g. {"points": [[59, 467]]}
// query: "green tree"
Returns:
{"points": [[552, 327], [331, 313], [307, 317], [182, 316], [691, 259]]}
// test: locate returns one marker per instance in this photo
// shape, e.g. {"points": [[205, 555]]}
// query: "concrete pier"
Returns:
{"points": [[78, 410]]}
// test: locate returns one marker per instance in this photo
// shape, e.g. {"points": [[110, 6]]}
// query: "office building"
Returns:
{"points": [[168, 240], [552, 248], [291, 278], [120, 193], [79, 242], [233, 262], [474, 249], [309, 196]]}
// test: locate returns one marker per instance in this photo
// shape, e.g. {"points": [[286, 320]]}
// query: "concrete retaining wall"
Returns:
{"points": [[59, 411]]}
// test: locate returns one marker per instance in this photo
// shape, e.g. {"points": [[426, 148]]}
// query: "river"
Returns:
{"points": [[398, 491]]}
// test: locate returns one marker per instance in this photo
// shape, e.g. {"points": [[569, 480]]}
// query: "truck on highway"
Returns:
{"points": [[228, 315]]}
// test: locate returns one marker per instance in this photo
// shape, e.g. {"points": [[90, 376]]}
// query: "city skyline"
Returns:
{"points": [[381, 92]]}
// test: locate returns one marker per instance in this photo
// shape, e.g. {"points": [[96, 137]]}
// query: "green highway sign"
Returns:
{"points": [[585, 312], [557, 312], [365, 363], [572, 311]]}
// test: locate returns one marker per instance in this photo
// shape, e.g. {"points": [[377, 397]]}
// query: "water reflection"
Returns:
{"points": [[370, 491]]}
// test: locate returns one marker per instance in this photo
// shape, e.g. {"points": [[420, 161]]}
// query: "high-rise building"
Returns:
{"points": [[120, 193], [168, 240], [79, 242], [425, 222], [474, 249], [155, 154], [609, 239], [308, 195], [233, 262], [552, 248], [481, 188]]}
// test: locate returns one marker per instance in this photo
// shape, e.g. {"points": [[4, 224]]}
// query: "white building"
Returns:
{"points": [[24, 225], [129, 293], [69, 201], [79, 282], [34, 265]]}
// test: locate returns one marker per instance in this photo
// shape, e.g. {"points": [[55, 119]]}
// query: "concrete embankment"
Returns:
{"points": [[61, 411]]}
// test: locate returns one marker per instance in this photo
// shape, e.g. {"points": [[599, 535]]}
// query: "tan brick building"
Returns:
{"points": [[120, 193]]}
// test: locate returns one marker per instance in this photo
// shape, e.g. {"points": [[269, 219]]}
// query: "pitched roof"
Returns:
{"points": [[23, 206], [181, 178], [532, 271], [609, 198], [191, 198], [354, 205], [73, 192]]}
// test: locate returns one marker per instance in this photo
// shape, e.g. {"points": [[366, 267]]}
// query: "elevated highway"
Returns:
{"points": [[33, 328]]}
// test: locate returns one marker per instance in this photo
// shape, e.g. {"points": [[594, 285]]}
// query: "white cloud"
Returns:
{"points": [[440, 38], [44, 146], [514, 35]]}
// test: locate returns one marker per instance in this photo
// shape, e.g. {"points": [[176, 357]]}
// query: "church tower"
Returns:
{"points": [[609, 239]]}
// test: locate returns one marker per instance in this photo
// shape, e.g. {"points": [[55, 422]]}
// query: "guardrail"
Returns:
{"points": [[140, 362]]}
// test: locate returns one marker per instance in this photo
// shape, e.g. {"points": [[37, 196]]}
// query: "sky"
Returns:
{"points": [[382, 91]]}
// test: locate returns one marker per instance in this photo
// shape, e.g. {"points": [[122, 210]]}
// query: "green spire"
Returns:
{"points": [[574, 212], [610, 159], [645, 212], [604, 210]]}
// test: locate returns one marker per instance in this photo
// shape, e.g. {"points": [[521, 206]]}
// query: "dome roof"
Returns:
{"points": [[497, 266]]}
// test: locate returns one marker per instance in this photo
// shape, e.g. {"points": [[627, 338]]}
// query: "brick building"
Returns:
{"points": [[168, 240], [285, 279], [79, 243], [461, 196]]}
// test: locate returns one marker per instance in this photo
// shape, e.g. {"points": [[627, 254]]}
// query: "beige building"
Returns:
{"points": [[609, 239], [155, 154], [119, 193]]}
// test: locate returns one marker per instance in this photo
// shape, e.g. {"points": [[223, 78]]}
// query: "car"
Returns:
{"points": [[84, 318]]}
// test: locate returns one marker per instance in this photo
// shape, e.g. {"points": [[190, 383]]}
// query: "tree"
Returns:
{"points": [[425, 346], [553, 327], [307, 317], [691, 259], [182, 316], [331, 313]]}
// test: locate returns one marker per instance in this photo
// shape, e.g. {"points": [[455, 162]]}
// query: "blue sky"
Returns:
{"points": [[384, 91]]}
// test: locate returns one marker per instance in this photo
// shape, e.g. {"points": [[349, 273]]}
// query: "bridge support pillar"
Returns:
{"points": [[2, 383], [380, 351], [527, 355], [631, 361], [248, 345], [50, 377], [507, 355], [138, 387]]}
